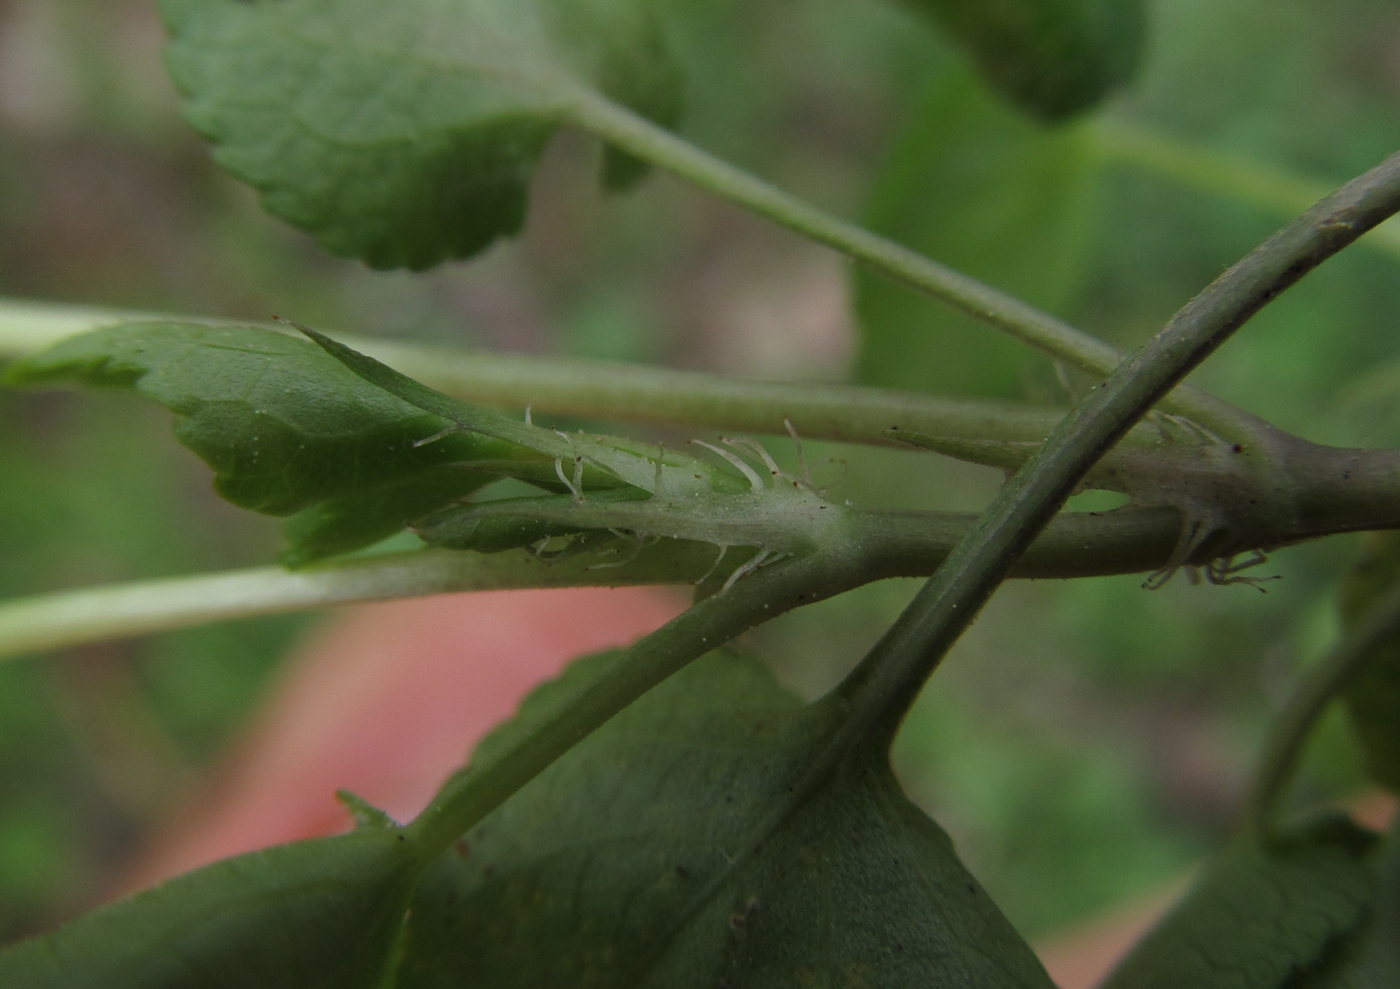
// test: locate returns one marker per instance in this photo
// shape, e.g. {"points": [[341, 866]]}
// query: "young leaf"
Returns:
{"points": [[1259, 916], [1000, 198], [321, 913], [284, 427], [688, 843], [405, 133], [655, 492], [1373, 698], [1054, 58]]}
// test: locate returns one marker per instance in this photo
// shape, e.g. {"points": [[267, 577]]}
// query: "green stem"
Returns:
{"points": [[1290, 730], [55, 621], [611, 390], [1120, 143], [887, 681], [639, 136], [892, 544], [629, 392]]}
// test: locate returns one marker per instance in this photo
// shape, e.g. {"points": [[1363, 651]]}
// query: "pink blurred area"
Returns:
{"points": [[385, 701]]}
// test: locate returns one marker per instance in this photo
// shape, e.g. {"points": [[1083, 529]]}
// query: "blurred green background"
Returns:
{"points": [[1085, 742]]}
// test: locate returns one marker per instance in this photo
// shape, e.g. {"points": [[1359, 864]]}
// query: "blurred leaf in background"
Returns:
{"points": [[985, 190]]}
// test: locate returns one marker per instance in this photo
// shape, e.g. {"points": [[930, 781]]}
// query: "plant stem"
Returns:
{"points": [[890, 677], [612, 390], [639, 136], [54, 621], [629, 392], [893, 544], [1120, 143], [1319, 684]]}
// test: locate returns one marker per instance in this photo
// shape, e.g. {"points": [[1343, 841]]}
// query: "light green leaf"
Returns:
{"points": [[321, 914], [997, 197], [1259, 917], [1373, 698], [284, 427], [712, 834], [405, 133], [1054, 58]]}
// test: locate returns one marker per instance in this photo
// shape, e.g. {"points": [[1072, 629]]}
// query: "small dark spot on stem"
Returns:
{"points": [[1237, 448]]}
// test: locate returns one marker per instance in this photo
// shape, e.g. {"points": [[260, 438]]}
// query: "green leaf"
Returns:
{"points": [[1372, 699], [1054, 58], [349, 522], [995, 196], [715, 833], [405, 133], [1370, 959], [285, 427], [322, 913], [1259, 916]]}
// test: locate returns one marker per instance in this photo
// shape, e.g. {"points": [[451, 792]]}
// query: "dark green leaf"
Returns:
{"points": [[993, 195], [1370, 959], [1259, 917], [405, 133], [1373, 698], [709, 835], [1054, 58], [285, 427], [323, 913]]}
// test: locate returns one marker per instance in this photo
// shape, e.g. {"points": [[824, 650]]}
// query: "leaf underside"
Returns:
{"points": [[405, 133], [320, 914], [358, 451], [1259, 917], [678, 846], [285, 427]]}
